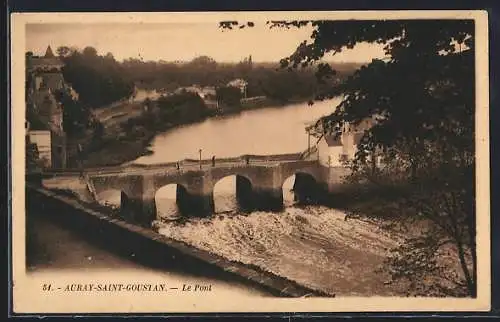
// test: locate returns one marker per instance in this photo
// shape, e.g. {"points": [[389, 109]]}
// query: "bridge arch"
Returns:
{"points": [[300, 188], [232, 192], [291, 169], [289, 197], [119, 202], [129, 185], [166, 200], [111, 198]]}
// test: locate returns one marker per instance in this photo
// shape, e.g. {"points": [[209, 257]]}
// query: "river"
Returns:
{"points": [[313, 245], [272, 130]]}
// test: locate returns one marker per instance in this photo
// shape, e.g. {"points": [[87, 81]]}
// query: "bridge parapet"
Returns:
{"points": [[259, 182], [173, 164]]}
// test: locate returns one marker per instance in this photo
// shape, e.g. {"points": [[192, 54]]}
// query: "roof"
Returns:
{"points": [[44, 101], [332, 140], [36, 62], [49, 60], [53, 81], [49, 53], [363, 125], [237, 82], [357, 137]]}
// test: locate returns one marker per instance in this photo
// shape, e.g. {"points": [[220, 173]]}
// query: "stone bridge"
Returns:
{"points": [[259, 182]]}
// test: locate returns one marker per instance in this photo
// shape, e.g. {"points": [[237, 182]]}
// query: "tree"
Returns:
{"points": [[180, 108], [422, 100], [98, 131], [229, 96], [203, 62], [64, 51], [89, 51], [76, 116], [98, 79]]}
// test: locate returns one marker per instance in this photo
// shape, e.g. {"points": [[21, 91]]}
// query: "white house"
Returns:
{"points": [[330, 151], [334, 150], [207, 92], [241, 84]]}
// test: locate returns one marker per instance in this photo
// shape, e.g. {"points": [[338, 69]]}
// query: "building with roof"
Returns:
{"points": [[330, 150], [241, 84], [48, 62], [44, 78], [336, 149]]}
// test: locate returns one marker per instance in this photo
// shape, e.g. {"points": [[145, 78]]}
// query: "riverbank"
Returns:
{"points": [[118, 145]]}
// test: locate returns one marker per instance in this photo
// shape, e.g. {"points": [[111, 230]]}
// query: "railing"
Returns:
{"points": [[307, 153], [218, 161], [90, 187]]}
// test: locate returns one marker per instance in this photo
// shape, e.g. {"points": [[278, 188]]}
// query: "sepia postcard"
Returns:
{"points": [[250, 162]]}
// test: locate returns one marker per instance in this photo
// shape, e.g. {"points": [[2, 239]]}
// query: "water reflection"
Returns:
{"points": [[110, 198], [166, 205], [262, 131], [288, 193], [225, 195]]}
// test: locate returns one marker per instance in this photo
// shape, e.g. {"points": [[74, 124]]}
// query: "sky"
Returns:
{"points": [[182, 41]]}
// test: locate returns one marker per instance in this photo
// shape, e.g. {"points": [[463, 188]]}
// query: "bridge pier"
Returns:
{"points": [[258, 186], [192, 204], [141, 211], [268, 199], [148, 213], [244, 193], [306, 189]]}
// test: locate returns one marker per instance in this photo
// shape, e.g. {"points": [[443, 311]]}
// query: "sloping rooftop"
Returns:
{"points": [[365, 124], [332, 140], [237, 82], [53, 81], [44, 101], [357, 137], [49, 53], [37, 62], [49, 60]]}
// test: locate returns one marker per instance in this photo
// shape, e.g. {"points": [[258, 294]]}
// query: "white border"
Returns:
{"points": [[27, 295]]}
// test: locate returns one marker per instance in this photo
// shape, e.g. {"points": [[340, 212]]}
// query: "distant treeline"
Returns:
{"points": [[264, 79], [101, 80]]}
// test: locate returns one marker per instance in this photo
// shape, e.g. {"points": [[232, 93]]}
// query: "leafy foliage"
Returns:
{"points": [[263, 78], [168, 111], [76, 116], [181, 107], [97, 79], [228, 96], [421, 97]]}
